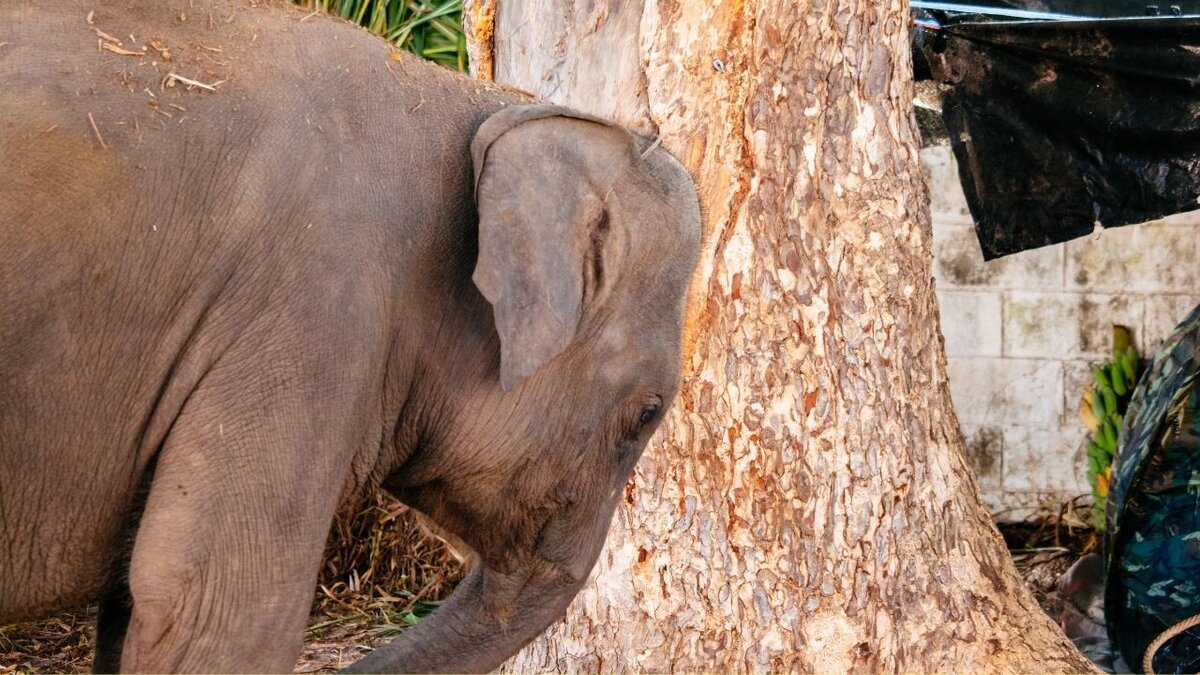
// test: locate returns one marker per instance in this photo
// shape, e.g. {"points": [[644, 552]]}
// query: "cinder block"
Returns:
{"points": [[1041, 325], [984, 445], [946, 199], [1097, 314], [971, 322], [1001, 392], [1157, 256], [1101, 260], [995, 501], [1039, 269], [958, 262], [1163, 313], [1187, 219], [1077, 374], [1065, 325], [1045, 459]]}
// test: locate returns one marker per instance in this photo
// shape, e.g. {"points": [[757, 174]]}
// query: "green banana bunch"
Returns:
{"points": [[1103, 411]]}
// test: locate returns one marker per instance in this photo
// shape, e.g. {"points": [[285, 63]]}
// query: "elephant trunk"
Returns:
{"points": [[468, 633]]}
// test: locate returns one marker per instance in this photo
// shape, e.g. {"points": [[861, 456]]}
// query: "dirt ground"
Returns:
{"points": [[381, 595], [1044, 549]]}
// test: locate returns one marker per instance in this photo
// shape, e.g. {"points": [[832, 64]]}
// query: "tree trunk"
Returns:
{"points": [[807, 505]]}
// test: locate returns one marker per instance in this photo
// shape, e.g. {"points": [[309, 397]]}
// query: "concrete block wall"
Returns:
{"points": [[1022, 333]]}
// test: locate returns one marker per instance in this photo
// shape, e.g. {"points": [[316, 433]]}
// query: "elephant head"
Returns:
{"points": [[587, 238]]}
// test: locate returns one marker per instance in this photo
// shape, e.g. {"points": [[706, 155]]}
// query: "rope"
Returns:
{"points": [[1148, 658], [1006, 12]]}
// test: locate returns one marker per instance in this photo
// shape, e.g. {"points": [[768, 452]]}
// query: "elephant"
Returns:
{"points": [[255, 263]]}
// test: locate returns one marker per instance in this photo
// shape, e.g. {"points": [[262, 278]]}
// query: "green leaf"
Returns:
{"points": [[431, 29]]}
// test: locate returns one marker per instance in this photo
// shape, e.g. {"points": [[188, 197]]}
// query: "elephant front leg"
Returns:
{"points": [[227, 551]]}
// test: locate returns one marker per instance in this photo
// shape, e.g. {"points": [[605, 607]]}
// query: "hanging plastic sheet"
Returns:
{"points": [[1061, 123]]}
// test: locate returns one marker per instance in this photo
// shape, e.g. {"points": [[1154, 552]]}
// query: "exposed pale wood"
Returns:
{"points": [[807, 506], [479, 17]]}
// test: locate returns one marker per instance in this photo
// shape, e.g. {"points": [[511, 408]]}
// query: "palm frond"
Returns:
{"points": [[431, 29]]}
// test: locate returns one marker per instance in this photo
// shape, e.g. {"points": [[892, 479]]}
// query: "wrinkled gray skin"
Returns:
{"points": [[336, 271]]}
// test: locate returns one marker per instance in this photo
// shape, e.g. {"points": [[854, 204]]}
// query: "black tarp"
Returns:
{"points": [[1060, 125]]}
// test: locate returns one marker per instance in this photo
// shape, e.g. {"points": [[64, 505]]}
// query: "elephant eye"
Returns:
{"points": [[649, 412]]}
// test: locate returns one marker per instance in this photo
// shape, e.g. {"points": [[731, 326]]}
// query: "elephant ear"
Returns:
{"points": [[548, 230]]}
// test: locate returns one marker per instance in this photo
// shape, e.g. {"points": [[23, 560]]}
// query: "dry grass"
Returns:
{"points": [[62, 644], [381, 574]]}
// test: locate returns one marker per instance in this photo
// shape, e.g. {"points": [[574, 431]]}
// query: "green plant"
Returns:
{"points": [[431, 29], [1102, 408]]}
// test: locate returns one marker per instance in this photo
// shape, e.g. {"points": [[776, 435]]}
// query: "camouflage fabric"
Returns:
{"points": [[1153, 516]]}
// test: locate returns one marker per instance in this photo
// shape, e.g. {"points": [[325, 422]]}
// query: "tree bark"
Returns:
{"points": [[807, 506]]}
